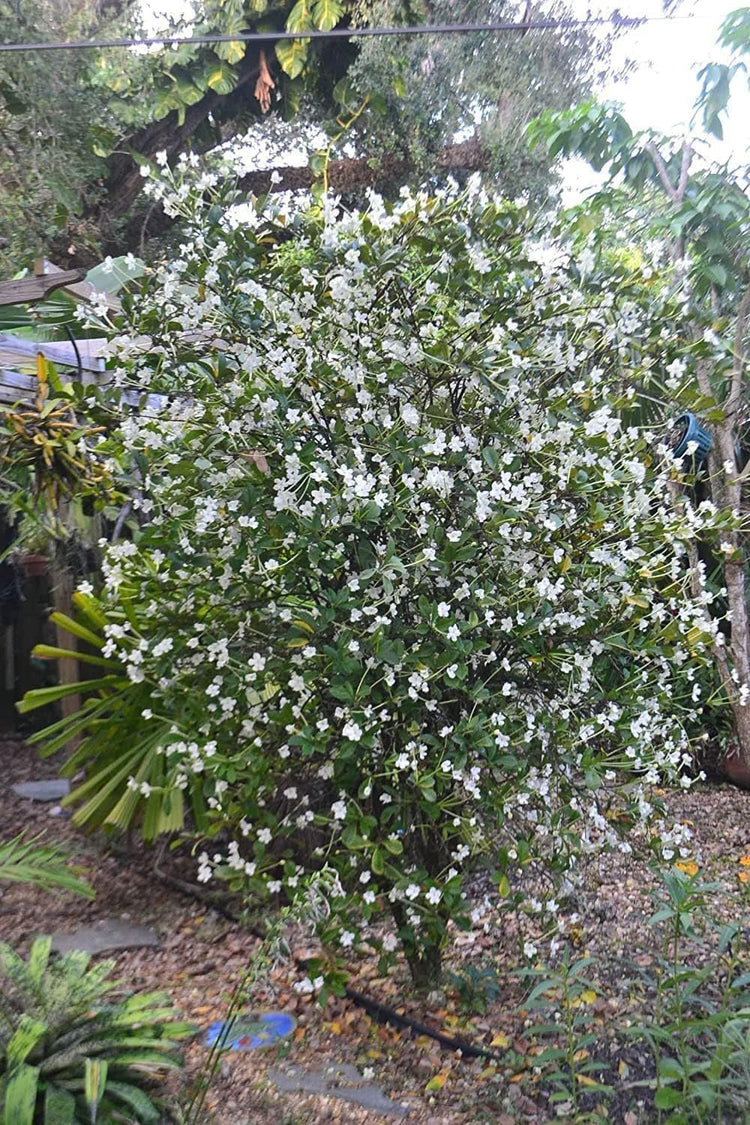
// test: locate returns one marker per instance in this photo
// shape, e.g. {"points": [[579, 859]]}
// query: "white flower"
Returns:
{"points": [[433, 896], [291, 793], [352, 731], [453, 633], [338, 808], [412, 891], [529, 949], [347, 939], [410, 415], [443, 609]]}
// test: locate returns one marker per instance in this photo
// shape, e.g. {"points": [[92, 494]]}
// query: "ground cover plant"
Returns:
{"points": [[402, 590], [69, 1051]]}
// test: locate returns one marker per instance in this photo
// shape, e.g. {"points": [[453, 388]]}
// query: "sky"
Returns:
{"points": [[660, 92]]}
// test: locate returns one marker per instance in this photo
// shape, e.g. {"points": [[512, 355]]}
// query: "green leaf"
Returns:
{"points": [[59, 1106], [222, 78], [21, 1094], [667, 1098], [24, 1039], [345, 93], [136, 1100], [76, 629], [327, 13], [94, 1084], [40, 697], [51, 652], [300, 17], [26, 861], [292, 55]]}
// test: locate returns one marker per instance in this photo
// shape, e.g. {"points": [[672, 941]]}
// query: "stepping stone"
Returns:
{"points": [[105, 936], [54, 789], [248, 1032], [337, 1080]]}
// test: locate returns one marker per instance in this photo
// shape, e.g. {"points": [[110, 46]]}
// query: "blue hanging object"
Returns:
{"points": [[248, 1032], [694, 431]]}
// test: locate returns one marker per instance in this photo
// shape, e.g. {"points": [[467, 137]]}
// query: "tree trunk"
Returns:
{"points": [[426, 962]]}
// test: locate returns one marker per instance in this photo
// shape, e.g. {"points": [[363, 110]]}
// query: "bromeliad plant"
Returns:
{"points": [[68, 1054], [406, 590]]}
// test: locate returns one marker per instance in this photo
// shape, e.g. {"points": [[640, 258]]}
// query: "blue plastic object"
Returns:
{"points": [[248, 1032], [694, 431]]}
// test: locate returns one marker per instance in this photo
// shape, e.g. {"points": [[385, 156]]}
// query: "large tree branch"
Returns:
{"points": [[676, 191], [349, 174]]}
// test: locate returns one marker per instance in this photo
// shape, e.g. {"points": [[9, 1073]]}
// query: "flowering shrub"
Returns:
{"points": [[406, 588]]}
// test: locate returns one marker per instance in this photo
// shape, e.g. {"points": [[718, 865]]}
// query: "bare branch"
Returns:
{"points": [[687, 155], [661, 168]]}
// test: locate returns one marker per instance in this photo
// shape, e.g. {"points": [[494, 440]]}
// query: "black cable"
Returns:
{"points": [[72, 339], [340, 33]]}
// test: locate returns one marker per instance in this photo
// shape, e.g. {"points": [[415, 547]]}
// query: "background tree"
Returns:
{"points": [[701, 210], [75, 126]]}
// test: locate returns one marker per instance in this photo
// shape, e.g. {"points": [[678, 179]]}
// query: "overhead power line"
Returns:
{"points": [[338, 33]]}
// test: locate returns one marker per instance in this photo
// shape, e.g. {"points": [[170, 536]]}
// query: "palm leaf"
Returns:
{"points": [[26, 861]]}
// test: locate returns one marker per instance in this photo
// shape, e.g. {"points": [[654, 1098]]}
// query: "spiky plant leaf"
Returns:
{"points": [[59, 1106], [27, 861], [21, 1094], [23, 1041], [95, 1081], [136, 1100]]}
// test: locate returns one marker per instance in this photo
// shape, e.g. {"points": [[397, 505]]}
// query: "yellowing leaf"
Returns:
{"points": [[335, 1027], [585, 1080], [436, 1083], [565, 565], [500, 1040], [588, 996]]}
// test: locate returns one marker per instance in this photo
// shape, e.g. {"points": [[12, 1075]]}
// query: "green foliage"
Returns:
{"points": [[716, 78], [482, 87], [24, 860], [120, 788], [323, 634], [700, 1029], [70, 1055], [565, 995], [476, 987]]}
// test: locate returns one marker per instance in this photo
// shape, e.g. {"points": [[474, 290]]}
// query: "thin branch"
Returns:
{"points": [[735, 391], [687, 153], [661, 168]]}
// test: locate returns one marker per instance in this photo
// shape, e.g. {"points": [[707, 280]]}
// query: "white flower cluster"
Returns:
{"points": [[408, 586]]}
